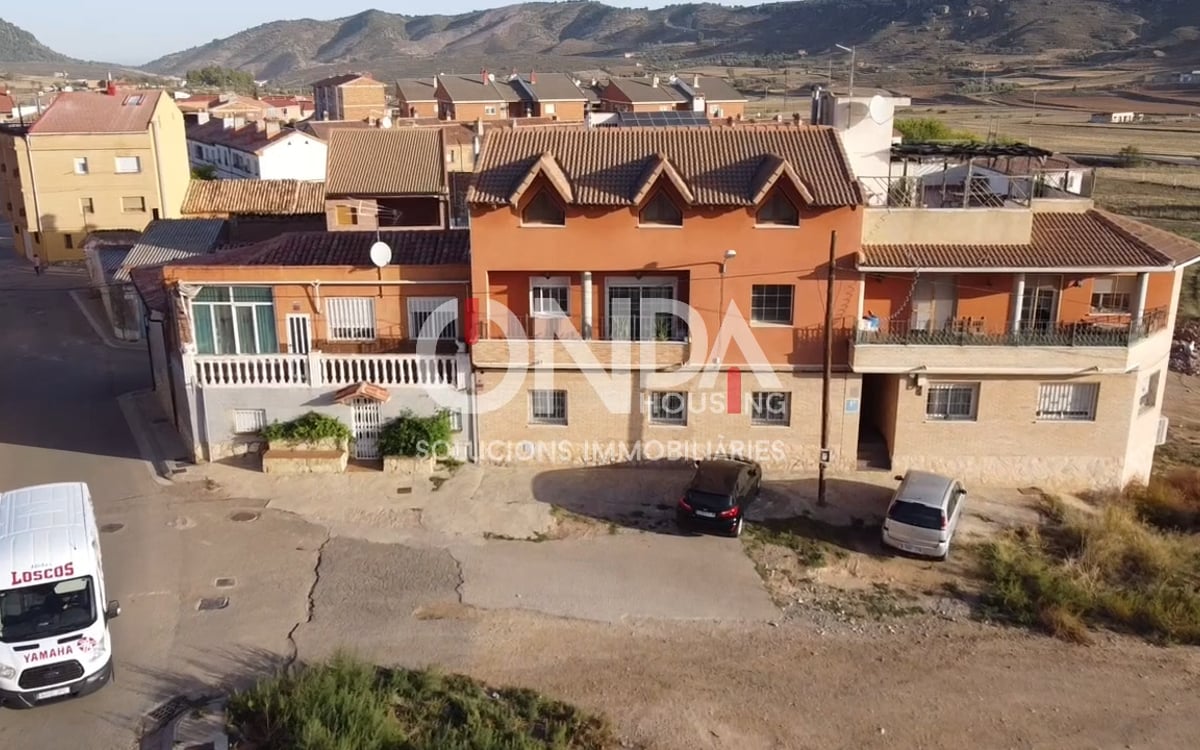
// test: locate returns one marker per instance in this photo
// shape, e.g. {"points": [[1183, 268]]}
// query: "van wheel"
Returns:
{"points": [[737, 530]]}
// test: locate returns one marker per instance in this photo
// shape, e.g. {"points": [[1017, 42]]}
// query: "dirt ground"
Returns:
{"points": [[1181, 405]]}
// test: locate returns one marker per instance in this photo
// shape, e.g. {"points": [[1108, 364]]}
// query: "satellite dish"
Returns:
{"points": [[381, 254], [878, 109]]}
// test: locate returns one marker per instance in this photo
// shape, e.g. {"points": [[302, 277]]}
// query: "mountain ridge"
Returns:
{"points": [[19, 46]]}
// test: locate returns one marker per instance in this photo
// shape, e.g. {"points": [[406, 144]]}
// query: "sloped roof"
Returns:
{"points": [[322, 129], [171, 239], [415, 89], [394, 161], [409, 248], [6, 104], [1025, 166], [604, 166], [129, 111], [548, 87], [710, 87], [462, 88], [255, 197], [1093, 239], [248, 138], [643, 90], [344, 78]]}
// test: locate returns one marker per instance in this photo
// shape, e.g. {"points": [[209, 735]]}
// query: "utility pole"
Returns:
{"points": [[827, 373]]}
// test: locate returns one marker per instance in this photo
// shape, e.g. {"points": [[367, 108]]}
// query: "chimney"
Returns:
{"points": [[695, 82], [271, 128], [227, 122], [483, 75], [533, 77], [202, 118], [654, 81], [111, 88], [239, 122]]}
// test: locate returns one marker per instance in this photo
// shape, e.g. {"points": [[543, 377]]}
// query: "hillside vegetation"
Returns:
{"points": [[890, 29], [18, 45]]}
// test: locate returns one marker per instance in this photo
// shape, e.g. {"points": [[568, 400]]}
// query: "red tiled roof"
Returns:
{"points": [[396, 161], [6, 104], [129, 111], [604, 166], [1094, 239], [248, 138]]}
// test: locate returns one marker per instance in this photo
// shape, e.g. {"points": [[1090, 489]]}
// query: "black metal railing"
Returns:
{"points": [[1103, 331]]}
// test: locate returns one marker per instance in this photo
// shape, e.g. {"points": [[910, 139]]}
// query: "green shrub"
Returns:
{"points": [[410, 435], [309, 428], [1107, 569], [347, 705]]}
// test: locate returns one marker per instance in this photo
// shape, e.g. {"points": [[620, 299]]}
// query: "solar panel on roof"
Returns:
{"points": [[671, 119]]}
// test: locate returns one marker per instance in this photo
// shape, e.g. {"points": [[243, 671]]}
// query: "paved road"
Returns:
{"points": [[61, 421]]}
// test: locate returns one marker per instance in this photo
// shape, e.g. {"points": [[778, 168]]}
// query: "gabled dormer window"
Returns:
{"points": [[543, 210], [661, 211], [778, 211]]}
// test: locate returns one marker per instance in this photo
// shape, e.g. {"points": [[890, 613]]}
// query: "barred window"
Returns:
{"points": [[548, 407], [1067, 402], [668, 407], [770, 408], [249, 421], [350, 318], [952, 401]]}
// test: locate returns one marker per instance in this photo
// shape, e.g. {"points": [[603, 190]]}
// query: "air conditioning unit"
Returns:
{"points": [[1162, 431]]}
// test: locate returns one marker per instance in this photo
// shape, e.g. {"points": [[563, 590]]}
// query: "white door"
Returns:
{"points": [[365, 422], [299, 334]]}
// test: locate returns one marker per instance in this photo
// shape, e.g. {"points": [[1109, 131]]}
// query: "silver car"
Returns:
{"points": [[924, 513]]}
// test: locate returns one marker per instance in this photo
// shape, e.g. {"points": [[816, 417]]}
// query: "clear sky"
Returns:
{"points": [[132, 32]]}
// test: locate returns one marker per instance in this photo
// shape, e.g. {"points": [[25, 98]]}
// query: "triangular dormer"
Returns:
{"points": [[660, 167], [545, 166]]}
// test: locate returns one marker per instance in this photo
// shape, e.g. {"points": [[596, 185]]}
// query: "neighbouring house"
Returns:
{"points": [[387, 178], [416, 97], [351, 96], [1012, 338], [553, 95], [291, 109], [262, 150], [654, 93], [601, 263], [1117, 117], [481, 97], [1054, 172], [307, 322], [163, 241], [866, 125], [8, 107], [92, 161], [256, 210]]}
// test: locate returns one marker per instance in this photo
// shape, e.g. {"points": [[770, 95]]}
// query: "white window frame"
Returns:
{"points": [[791, 307], [537, 310], [87, 206], [1067, 402], [552, 398], [489, 109], [428, 306], [1113, 288], [136, 164], [350, 319], [548, 108], [81, 165], [764, 411], [249, 421], [234, 307], [456, 420], [945, 414], [126, 210], [668, 418]]}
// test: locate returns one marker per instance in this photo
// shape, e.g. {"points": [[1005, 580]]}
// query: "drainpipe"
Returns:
{"points": [[587, 305], [158, 168]]}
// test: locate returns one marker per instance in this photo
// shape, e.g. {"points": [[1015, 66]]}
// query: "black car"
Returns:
{"points": [[720, 492]]}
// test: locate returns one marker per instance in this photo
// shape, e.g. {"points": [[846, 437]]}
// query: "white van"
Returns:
{"points": [[54, 639]]}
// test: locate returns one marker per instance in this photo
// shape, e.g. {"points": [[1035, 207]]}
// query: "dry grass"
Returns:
{"points": [[1081, 570], [1170, 501]]}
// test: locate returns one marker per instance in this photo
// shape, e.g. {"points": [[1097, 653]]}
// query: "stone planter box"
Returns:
{"points": [[320, 457], [409, 466]]}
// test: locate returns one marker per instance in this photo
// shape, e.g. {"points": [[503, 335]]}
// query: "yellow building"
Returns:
{"points": [[113, 160]]}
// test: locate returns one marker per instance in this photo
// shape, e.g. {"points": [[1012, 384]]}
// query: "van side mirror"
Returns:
{"points": [[113, 610]]}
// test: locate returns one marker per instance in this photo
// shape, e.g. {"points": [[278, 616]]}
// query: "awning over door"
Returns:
{"points": [[362, 390]]}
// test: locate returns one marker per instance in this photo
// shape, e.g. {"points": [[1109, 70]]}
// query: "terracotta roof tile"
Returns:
{"points": [[415, 89], [6, 104], [395, 161], [322, 129], [1094, 239], [129, 111], [720, 166], [248, 138], [255, 197], [409, 248]]}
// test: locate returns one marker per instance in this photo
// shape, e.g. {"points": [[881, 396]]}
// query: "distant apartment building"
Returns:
{"points": [[92, 161], [352, 96], [260, 150]]}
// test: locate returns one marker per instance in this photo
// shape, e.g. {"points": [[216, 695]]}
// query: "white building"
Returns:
{"points": [[1116, 117], [261, 150], [866, 125]]}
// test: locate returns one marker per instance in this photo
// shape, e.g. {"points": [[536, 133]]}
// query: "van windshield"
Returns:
{"points": [[916, 514], [46, 610]]}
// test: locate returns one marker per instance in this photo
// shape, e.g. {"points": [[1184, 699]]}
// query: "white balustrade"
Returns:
{"points": [[319, 369]]}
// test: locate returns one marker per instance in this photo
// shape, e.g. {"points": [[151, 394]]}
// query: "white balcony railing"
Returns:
{"points": [[318, 369]]}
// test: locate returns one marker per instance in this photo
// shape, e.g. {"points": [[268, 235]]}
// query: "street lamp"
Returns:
{"points": [[729, 255], [844, 48]]}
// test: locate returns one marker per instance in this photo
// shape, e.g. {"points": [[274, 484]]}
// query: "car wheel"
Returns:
{"points": [[737, 529]]}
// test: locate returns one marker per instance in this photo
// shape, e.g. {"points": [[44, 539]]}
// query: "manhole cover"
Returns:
{"points": [[243, 516], [218, 602], [225, 583], [111, 528]]}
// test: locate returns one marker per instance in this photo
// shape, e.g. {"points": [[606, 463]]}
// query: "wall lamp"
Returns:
{"points": [[729, 255]]}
